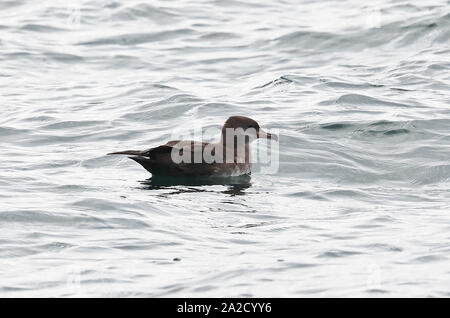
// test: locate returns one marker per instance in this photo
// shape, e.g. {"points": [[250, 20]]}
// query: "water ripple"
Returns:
{"points": [[356, 204]]}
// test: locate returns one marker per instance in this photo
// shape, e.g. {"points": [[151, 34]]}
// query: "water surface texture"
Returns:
{"points": [[359, 94]]}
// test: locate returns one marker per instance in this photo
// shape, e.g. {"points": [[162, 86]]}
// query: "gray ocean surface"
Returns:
{"points": [[358, 203]]}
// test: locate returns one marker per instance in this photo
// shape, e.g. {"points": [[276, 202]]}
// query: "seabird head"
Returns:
{"points": [[238, 125]]}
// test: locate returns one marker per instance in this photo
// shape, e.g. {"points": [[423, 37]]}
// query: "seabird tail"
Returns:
{"points": [[127, 152]]}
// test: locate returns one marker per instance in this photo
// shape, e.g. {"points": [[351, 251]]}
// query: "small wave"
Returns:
{"points": [[11, 131], [279, 81], [338, 253], [431, 174], [7, 4], [335, 84], [307, 39], [69, 124], [289, 79], [387, 128], [215, 36], [63, 57], [364, 100], [420, 31], [396, 132], [145, 11], [429, 259], [139, 38], [41, 28], [40, 217], [337, 126]]}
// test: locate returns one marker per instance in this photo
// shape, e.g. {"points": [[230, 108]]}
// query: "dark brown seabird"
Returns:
{"points": [[185, 158]]}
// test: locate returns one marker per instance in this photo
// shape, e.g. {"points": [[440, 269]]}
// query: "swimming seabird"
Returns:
{"points": [[185, 158]]}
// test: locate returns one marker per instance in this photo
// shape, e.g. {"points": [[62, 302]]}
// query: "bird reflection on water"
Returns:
{"points": [[235, 185]]}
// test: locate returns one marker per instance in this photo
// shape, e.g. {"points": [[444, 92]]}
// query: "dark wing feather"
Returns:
{"points": [[159, 161]]}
